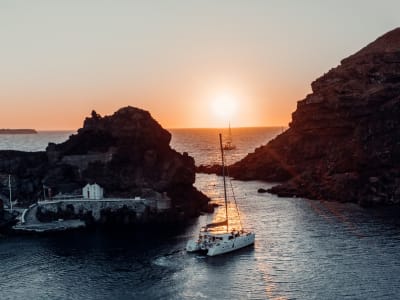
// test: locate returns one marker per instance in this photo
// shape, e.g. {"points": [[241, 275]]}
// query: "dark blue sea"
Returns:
{"points": [[304, 249]]}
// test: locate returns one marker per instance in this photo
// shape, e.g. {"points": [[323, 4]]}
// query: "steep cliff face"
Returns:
{"points": [[343, 142], [121, 153], [27, 170], [127, 153]]}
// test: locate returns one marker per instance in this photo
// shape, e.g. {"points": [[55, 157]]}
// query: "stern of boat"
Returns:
{"points": [[193, 245]]}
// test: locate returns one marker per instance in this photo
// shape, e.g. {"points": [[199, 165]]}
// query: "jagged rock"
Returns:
{"points": [[209, 169], [1, 211], [344, 137], [127, 153], [7, 219], [27, 169]]}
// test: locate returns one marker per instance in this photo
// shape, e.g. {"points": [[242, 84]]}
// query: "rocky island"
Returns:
{"points": [[128, 154], [18, 131], [343, 143]]}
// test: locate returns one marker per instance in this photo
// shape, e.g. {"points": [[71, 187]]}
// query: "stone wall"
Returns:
{"points": [[126, 211], [81, 207]]}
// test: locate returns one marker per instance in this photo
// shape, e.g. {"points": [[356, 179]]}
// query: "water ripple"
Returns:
{"points": [[304, 250]]}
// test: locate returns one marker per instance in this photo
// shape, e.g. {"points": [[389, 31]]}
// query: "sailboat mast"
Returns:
{"points": [[230, 133], [9, 190], [223, 176]]}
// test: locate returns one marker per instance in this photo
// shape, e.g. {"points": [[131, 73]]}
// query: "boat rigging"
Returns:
{"points": [[215, 243]]}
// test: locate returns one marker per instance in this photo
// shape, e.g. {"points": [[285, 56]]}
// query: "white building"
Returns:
{"points": [[92, 191]]}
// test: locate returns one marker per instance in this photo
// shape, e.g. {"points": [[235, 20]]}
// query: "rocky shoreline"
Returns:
{"points": [[7, 219], [127, 153], [343, 141]]}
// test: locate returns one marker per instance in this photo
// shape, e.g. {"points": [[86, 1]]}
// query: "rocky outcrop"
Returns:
{"points": [[1, 212], [27, 170], [209, 169], [343, 143], [18, 131], [7, 219], [127, 153]]}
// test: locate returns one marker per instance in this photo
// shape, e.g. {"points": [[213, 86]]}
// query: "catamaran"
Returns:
{"points": [[218, 242], [228, 145]]}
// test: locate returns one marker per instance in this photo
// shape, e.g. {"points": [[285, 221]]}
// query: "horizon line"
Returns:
{"points": [[170, 128]]}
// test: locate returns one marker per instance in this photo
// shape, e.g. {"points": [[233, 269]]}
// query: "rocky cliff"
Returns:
{"points": [[343, 143], [127, 153], [7, 219]]}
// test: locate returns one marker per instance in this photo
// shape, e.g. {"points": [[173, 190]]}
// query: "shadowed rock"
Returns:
{"points": [[343, 143], [127, 153]]}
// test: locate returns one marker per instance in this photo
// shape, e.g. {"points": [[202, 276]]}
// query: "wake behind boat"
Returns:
{"points": [[215, 242]]}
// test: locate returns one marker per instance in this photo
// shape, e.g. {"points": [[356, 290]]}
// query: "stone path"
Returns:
{"points": [[32, 224]]}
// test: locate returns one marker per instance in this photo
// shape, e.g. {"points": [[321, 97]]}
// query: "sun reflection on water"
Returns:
{"points": [[214, 190]]}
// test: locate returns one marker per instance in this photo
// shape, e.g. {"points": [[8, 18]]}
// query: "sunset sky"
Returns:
{"points": [[190, 63]]}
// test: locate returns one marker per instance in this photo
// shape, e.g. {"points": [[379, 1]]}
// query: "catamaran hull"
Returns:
{"points": [[217, 242], [231, 245], [193, 246]]}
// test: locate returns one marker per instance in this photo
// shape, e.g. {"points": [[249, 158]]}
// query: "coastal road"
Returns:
{"points": [[32, 224], [30, 215]]}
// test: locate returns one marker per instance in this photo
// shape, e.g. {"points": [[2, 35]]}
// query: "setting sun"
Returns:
{"points": [[224, 106]]}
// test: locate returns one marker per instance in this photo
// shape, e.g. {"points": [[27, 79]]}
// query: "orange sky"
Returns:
{"points": [[187, 103], [174, 58]]}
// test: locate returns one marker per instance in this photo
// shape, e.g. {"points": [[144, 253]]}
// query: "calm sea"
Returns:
{"points": [[304, 249]]}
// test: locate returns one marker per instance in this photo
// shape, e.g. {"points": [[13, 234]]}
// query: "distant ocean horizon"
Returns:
{"points": [[166, 128], [201, 143]]}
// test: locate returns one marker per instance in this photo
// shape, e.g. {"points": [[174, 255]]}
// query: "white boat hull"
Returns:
{"points": [[216, 242], [231, 245], [221, 246], [193, 246]]}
